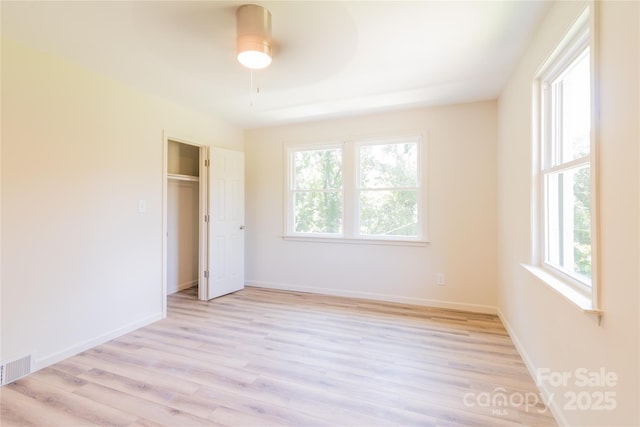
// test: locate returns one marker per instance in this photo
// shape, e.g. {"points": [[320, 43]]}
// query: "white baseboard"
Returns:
{"points": [[475, 308], [90, 343], [531, 367]]}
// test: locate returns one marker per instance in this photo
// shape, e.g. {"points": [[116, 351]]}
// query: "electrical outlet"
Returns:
{"points": [[440, 279]]}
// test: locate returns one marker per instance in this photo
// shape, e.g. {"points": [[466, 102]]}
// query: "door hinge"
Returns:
{"points": [[206, 218], [206, 162], [206, 274]]}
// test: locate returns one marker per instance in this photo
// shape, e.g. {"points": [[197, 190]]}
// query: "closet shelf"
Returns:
{"points": [[178, 177]]}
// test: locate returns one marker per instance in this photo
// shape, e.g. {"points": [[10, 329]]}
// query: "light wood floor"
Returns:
{"points": [[271, 358]]}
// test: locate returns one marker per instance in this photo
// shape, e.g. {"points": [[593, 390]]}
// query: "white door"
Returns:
{"points": [[226, 222]]}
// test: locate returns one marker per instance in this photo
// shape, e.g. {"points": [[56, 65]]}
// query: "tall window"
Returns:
{"points": [[388, 189], [566, 160], [567, 171], [316, 195], [356, 190]]}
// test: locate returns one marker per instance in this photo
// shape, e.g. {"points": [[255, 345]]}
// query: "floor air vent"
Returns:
{"points": [[11, 371]]}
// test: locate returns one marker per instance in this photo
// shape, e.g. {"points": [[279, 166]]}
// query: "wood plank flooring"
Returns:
{"points": [[272, 358]]}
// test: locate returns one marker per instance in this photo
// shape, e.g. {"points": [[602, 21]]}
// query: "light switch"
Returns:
{"points": [[142, 206]]}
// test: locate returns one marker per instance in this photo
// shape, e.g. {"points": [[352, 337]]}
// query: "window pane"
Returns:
{"points": [[389, 165], [318, 212], [318, 169], [569, 221], [573, 118], [389, 213]]}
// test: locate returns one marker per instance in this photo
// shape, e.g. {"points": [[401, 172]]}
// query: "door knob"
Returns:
{"points": [[242, 227]]}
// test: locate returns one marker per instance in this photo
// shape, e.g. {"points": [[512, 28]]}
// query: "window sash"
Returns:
{"points": [[330, 228], [560, 148], [365, 226], [380, 143], [560, 241], [293, 178]]}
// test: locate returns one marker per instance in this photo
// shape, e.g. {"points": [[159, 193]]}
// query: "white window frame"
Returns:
{"points": [[350, 170], [291, 191], [358, 189], [581, 36]]}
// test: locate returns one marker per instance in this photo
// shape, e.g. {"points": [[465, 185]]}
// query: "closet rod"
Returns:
{"points": [[179, 177]]}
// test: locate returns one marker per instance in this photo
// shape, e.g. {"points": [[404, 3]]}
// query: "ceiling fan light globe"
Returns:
{"points": [[253, 36], [254, 59]]}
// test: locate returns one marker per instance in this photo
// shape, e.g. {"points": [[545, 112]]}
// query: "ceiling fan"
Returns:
{"points": [[253, 36]]}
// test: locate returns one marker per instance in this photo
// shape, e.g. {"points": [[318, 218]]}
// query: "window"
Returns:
{"points": [[365, 190], [566, 170], [388, 189], [316, 190], [565, 240]]}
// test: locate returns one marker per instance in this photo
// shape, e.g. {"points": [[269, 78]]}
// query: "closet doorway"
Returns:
{"points": [[203, 220], [186, 186]]}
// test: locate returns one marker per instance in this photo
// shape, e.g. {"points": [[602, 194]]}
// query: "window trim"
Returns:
{"points": [[581, 35], [350, 214]]}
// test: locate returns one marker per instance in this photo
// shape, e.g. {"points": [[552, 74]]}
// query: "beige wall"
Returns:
{"points": [[461, 198], [183, 236], [79, 263], [551, 333]]}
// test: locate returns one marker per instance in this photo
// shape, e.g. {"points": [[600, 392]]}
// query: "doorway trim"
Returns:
{"points": [[203, 190]]}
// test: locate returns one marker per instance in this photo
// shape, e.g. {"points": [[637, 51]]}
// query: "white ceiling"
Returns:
{"points": [[331, 58]]}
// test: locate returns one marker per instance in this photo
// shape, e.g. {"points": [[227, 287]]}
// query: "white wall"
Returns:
{"points": [[551, 333], [79, 263], [461, 214]]}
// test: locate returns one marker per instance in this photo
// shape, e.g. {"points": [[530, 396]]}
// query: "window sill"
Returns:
{"points": [[582, 302], [342, 240]]}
